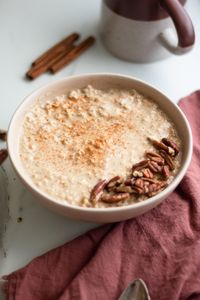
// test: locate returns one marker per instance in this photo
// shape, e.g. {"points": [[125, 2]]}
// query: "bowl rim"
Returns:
{"points": [[32, 187]]}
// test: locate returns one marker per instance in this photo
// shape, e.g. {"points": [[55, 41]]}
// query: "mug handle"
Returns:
{"points": [[183, 25]]}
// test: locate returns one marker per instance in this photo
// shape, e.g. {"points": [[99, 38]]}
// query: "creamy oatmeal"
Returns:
{"points": [[74, 141]]}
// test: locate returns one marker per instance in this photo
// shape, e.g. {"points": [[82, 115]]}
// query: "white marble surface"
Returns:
{"points": [[26, 29]]}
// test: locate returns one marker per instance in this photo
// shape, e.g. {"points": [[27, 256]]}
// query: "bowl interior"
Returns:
{"points": [[100, 81]]}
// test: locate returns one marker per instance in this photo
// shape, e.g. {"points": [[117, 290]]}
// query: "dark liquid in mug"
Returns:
{"points": [[144, 10]]}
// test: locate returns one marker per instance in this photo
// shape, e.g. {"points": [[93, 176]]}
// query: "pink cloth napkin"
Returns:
{"points": [[162, 247]]}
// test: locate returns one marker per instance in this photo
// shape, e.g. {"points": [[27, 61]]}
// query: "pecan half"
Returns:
{"points": [[166, 171], [139, 183], [147, 173], [154, 167], [151, 154], [168, 159], [171, 144], [129, 182], [3, 155], [154, 188], [123, 189], [97, 189], [140, 165], [158, 160], [117, 180], [137, 190], [113, 198], [151, 180], [158, 145], [3, 135], [155, 157]]}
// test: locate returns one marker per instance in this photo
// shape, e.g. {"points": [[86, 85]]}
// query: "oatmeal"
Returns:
{"points": [[74, 142]]}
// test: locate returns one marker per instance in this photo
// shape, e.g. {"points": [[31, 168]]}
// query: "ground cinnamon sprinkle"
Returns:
{"points": [[96, 138]]}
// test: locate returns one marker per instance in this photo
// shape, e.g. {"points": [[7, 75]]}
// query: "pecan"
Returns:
{"points": [[166, 171], [150, 180], [155, 157], [137, 174], [137, 190], [158, 160], [129, 182], [113, 182], [158, 145], [161, 145], [151, 154], [171, 144], [168, 159], [113, 198], [3, 135], [153, 188], [139, 183], [147, 173], [3, 155], [97, 189], [123, 189], [154, 167], [140, 165]]}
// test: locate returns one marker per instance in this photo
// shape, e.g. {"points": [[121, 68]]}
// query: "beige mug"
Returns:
{"points": [[146, 30]]}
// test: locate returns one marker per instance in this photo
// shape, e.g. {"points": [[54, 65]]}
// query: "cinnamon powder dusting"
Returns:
{"points": [[96, 138]]}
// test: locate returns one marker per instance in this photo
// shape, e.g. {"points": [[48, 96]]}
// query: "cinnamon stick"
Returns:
{"points": [[42, 67], [73, 54], [57, 49]]}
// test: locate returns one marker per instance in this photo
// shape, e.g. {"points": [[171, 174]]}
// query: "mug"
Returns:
{"points": [[146, 30]]}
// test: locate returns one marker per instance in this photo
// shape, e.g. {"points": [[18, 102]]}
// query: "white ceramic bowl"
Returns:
{"points": [[101, 81]]}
